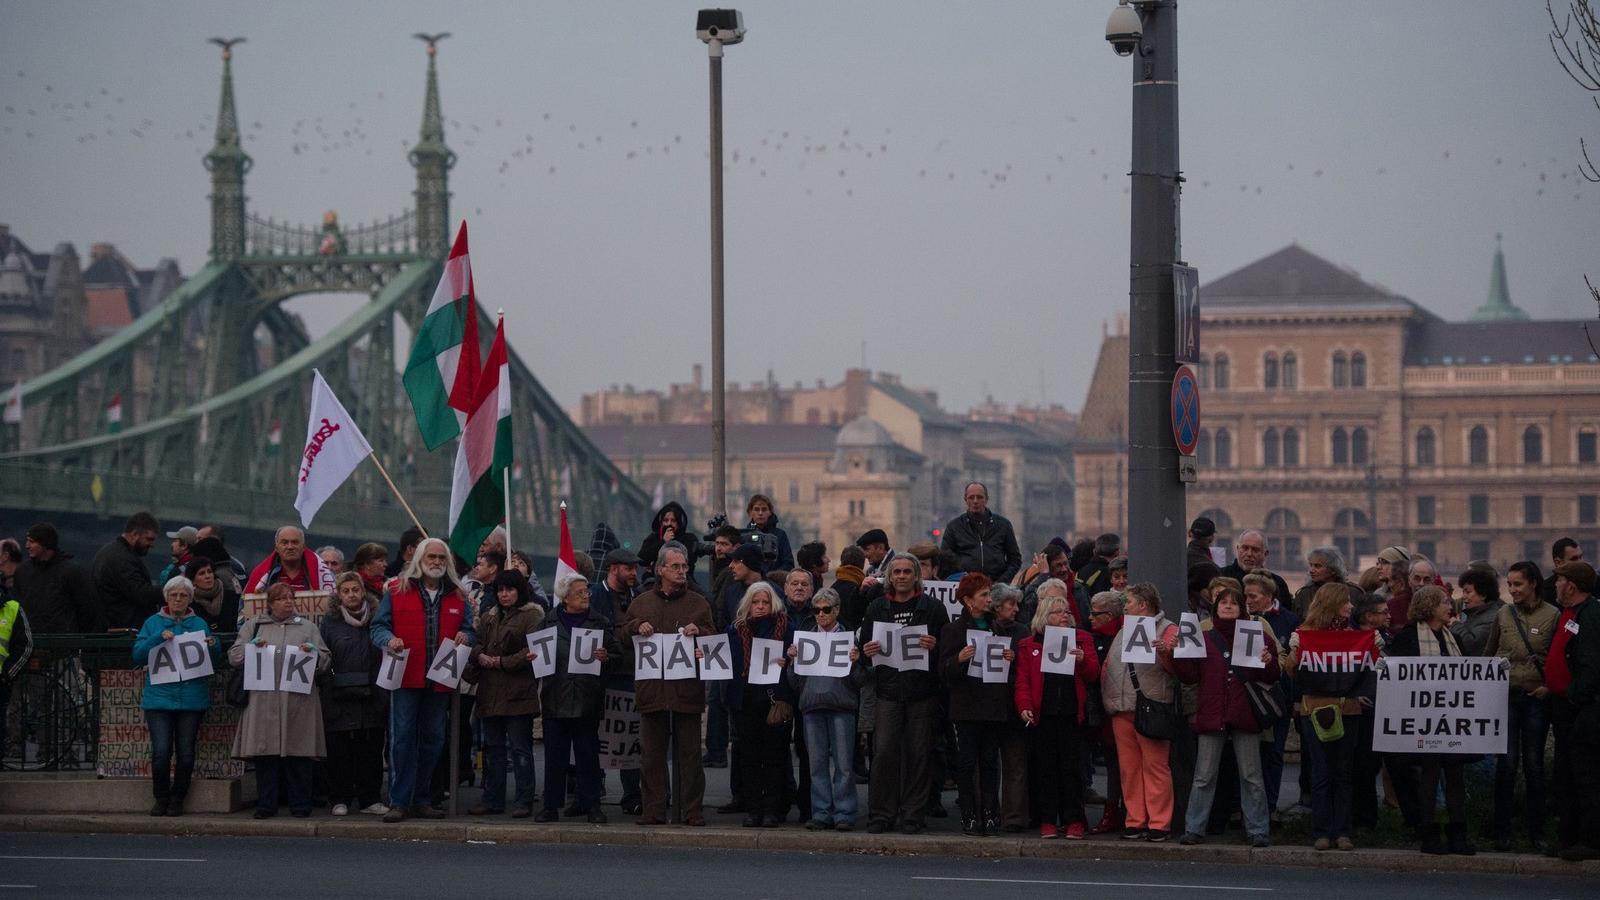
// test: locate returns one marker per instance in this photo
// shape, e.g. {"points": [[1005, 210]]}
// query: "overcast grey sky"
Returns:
{"points": [[944, 181]]}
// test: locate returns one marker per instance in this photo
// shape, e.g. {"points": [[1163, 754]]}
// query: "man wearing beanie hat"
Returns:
{"points": [[55, 592], [1572, 673], [127, 595]]}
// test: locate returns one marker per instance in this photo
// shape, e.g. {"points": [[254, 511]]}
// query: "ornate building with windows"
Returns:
{"points": [[1336, 411]]}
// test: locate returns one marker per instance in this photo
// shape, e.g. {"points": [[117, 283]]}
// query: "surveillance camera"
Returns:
{"points": [[1123, 30], [726, 26]]}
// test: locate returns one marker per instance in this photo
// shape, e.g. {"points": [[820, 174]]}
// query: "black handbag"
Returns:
{"points": [[1269, 701], [1155, 719], [233, 692], [351, 686]]}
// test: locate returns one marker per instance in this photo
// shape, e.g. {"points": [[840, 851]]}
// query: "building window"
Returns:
{"points": [[1587, 509], [1222, 449], [1352, 533], [1478, 509], [1358, 447], [794, 491], [1532, 446], [1530, 549], [1425, 510], [1341, 369], [1478, 446], [1269, 448], [1532, 510], [1426, 453], [1428, 549], [1269, 371], [1202, 449], [1291, 371], [1586, 447], [1219, 371], [1202, 371], [1341, 447], [1291, 447], [1358, 370], [1478, 550], [1283, 538]]}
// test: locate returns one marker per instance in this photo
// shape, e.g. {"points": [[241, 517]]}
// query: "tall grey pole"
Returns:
{"points": [[719, 424], [1158, 523]]}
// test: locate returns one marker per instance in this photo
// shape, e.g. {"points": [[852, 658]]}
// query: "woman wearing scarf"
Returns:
{"points": [[508, 696], [573, 704], [1428, 634], [354, 709], [763, 743], [173, 711], [977, 708], [216, 599], [370, 562]]}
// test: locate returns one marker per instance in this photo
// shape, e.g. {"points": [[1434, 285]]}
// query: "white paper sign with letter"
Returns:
{"points": [[765, 655], [260, 667], [542, 652], [392, 672], [163, 663], [716, 663], [1059, 643], [820, 654], [1139, 639], [647, 658], [299, 667], [194, 657], [1191, 642], [1248, 639], [582, 651], [449, 663], [678, 651]]}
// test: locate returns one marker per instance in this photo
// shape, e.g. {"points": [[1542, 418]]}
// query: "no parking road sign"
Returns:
{"points": [[1185, 410]]}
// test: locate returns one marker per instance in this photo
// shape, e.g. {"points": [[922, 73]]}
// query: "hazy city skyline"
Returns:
{"points": [[938, 181]]}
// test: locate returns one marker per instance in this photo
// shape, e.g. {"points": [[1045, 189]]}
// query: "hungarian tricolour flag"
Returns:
{"points": [[442, 373], [566, 560], [477, 491], [114, 414]]}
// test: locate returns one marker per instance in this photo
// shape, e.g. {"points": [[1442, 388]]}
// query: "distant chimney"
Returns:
{"points": [[100, 250]]}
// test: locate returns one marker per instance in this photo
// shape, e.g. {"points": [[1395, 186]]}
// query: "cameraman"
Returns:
{"points": [[764, 519]]}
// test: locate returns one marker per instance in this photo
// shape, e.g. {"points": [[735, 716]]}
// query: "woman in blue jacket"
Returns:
{"points": [[173, 711]]}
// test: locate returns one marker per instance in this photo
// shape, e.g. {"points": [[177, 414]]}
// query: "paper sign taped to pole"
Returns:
{"points": [[766, 656], [582, 651], [542, 652], [392, 671], [716, 663], [1057, 656], [299, 667], [260, 667]]}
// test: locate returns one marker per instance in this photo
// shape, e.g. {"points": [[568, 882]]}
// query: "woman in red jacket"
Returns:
{"points": [[1052, 707], [1224, 715]]}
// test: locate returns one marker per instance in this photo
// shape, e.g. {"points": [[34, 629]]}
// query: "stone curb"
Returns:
{"points": [[791, 839]]}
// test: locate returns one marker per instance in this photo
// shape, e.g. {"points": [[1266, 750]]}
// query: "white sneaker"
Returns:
{"points": [[376, 809], [340, 809]]}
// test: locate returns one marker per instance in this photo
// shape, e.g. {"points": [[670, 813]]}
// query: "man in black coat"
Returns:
{"points": [[1249, 554], [980, 541], [127, 595], [55, 592]]}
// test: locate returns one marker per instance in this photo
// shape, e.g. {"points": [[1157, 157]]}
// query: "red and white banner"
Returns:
{"points": [[334, 447]]}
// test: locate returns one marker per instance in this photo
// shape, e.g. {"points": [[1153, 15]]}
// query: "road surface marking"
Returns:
{"points": [[109, 859], [1195, 887]]}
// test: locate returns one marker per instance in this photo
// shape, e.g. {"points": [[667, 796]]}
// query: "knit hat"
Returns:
{"points": [[749, 554], [872, 536], [1581, 574], [1394, 554], [44, 534], [211, 548], [1202, 527]]}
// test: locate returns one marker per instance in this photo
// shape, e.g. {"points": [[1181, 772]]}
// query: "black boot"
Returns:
{"points": [[1460, 844], [1431, 842], [175, 805], [159, 808]]}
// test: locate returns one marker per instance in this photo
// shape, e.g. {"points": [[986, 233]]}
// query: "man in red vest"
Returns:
{"points": [[424, 607]]}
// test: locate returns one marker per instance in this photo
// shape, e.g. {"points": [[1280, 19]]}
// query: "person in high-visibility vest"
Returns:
{"points": [[16, 647]]}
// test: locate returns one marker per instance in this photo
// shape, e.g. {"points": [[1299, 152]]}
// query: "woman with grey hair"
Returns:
{"points": [[762, 714], [1323, 565], [573, 705], [173, 711]]}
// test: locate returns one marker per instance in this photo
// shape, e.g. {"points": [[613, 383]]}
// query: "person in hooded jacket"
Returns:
{"points": [[764, 518], [508, 697], [1224, 715], [670, 523], [1052, 707], [573, 705], [354, 709], [173, 711]]}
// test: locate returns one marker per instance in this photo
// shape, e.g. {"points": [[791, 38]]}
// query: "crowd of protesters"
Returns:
{"points": [[1187, 742]]}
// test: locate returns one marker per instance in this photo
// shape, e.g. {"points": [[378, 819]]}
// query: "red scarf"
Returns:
{"points": [[747, 639]]}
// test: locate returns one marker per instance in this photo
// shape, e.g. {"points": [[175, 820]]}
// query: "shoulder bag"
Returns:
{"points": [[1155, 719]]}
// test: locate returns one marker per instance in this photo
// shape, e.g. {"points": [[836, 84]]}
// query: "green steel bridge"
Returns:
{"points": [[214, 383]]}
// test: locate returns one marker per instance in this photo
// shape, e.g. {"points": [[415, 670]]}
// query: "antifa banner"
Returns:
{"points": [[1335, 662], [1433, 704]]}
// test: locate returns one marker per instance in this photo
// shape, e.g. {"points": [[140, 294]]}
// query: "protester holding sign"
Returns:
{"points": [[1053, 703], [281, 730], [173, 711], [1105, 623], [978, 702], [354, 708], [827, 704], [573, 702], [1224, 716], [422, 609], [762, 712], [1428, 633], [1333, 668], [1143, 739], [508, 696], [906, 701], [669, 707]]}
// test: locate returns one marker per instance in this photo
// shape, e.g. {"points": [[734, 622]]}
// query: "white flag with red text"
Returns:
{"points": [[334, 447]]}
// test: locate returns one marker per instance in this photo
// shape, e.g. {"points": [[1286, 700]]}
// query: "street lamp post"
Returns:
{"points": [[1147, 30], [718, 28]]}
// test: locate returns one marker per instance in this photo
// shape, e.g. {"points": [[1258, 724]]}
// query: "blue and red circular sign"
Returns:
{"points": [[1185, 410]]}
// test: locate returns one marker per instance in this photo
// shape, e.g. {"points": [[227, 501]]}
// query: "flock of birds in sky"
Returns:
{"points": [[827, 159]]}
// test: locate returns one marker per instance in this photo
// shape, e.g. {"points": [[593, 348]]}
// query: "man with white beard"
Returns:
{"points": [[421, 609]]}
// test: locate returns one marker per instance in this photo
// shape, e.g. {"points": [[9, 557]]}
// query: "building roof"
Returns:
{"points": [[1294, 276], [917, 402], [110, 308], [627, 441], [109, 268], [864, 432], [1010, 434], [1436, 343], [1498, 307], [1105, 410]]}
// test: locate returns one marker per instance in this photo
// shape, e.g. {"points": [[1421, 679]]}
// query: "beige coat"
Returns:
{"points": [[281, 723], [1157, 683], [1506, 641]]}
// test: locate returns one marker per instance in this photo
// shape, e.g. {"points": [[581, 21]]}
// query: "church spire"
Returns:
{"points": [[1499, 306], [433, 160], [227, 162]]}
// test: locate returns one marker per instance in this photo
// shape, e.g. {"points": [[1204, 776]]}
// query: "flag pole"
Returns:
{"points": [[500, 315], [397, 495]]}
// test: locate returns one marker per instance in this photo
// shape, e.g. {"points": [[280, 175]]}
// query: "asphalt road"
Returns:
{"points": [[76, 866]]}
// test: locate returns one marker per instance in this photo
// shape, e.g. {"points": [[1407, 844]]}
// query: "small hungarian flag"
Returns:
{"points": [[13, 413], [442, 373], [114, 414], [477, 490], [566, 560], [275, 437]]}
